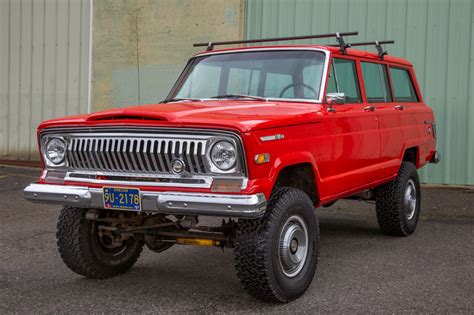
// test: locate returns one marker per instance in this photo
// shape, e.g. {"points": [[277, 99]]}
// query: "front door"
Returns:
{"points": [[355, 134]]}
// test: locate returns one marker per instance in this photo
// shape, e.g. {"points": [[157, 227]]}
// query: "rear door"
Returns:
{"points": [[355, 135], [379, 99], [397, 120]]}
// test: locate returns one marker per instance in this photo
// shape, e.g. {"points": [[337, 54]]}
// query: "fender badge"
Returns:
{"points": [[278, 136]]}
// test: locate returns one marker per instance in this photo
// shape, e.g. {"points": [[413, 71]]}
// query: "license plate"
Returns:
{"points": [[122, 198]]}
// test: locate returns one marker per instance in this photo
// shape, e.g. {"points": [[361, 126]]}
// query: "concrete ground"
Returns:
{"points": [[360, 270]]}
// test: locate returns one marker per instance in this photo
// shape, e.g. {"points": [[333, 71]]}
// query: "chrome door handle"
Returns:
{"points": [[369, 108], [399, 107]]}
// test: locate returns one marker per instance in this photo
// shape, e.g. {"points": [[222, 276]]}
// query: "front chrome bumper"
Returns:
{"points": [[236, 206]]}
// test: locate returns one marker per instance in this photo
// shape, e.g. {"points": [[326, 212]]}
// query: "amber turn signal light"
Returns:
{"points": [[262, 158], [226, 185]]}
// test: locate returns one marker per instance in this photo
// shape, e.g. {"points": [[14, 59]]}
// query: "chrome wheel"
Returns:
{"points": [[293, 246], [409, 200]]}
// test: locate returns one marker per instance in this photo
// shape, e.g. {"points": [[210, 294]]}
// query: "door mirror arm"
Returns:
{"points": [[335, 98]]}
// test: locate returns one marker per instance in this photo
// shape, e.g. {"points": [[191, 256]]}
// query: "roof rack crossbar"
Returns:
{"points": [[210, 45], [378, 44]]}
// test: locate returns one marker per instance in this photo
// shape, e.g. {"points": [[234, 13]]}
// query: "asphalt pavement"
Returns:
{"points": [[360, 270]]}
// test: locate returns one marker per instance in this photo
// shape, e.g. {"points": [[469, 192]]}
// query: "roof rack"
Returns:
{"points": [[378, 45], [339, 38]]}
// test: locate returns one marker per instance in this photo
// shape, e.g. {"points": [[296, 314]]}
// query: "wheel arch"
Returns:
{"points": [[298, 170], [412, 154]]}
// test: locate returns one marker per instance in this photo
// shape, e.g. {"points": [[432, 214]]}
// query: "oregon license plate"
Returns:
{"points": [[122, 198]]}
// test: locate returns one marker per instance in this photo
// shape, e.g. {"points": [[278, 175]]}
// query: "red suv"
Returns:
{"points": [[260, 136]]}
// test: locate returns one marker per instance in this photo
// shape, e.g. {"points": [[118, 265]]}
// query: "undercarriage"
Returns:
{"points": [[159, 232]]}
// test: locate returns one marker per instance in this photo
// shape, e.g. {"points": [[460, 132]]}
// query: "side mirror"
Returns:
{"points": [[335, 98]]}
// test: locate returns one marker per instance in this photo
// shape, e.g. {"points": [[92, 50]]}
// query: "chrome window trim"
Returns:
{"points": [[323, 79]]}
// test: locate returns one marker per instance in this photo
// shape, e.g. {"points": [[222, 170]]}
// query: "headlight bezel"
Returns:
{"points": [[237, 168], [45, 141]]}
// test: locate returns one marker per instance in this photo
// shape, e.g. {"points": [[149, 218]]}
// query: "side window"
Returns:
{"points": [[376, 82], [403, 90], [343, 79]]}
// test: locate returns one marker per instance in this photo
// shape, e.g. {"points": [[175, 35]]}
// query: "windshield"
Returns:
{"points": [[284, 74]]}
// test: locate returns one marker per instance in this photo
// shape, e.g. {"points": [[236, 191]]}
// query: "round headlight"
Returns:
{"points": [[56, 150], [223, 155]]}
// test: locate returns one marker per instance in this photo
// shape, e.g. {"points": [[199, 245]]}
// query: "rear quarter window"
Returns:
{"points": [[377, 88], [403, 90]]}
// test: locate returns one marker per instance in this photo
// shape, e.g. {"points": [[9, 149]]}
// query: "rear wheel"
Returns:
{"points": [[90, 251], [276, 256], [398, 202]]}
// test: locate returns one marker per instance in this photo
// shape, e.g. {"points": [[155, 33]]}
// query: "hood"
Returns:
{"points": [[243, 116]]}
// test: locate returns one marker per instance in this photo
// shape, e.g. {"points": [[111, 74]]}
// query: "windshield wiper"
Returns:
{"points": [[241, 96], [171, 100]]}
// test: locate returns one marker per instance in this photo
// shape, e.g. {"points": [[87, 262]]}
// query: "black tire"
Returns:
{"points": [[396, 214], [257, 252], [82, 252]]}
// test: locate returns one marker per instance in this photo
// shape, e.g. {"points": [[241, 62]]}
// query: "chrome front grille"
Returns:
{"points": [[136, 154]]}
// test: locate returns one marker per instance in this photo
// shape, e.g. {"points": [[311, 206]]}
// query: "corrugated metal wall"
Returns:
{"points": [[44, 61], [436, 36]]}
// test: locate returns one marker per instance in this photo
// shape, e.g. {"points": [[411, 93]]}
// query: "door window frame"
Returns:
{"points": [[356, 72], [389, 81]]}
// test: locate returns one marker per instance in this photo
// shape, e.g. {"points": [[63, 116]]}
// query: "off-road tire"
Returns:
{"points": [[390, 206], [256, 248], [81, 251]]}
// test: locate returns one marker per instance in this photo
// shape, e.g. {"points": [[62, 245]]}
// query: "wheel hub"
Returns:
{"points": [[293, 246], [409, 200]]}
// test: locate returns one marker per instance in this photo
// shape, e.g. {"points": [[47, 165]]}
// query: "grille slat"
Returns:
{"points": [[154, 145], [195, 157], [135, 155], [82, 152], [161, 156]]}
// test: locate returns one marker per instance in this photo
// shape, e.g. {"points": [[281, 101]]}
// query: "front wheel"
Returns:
{"points": [[398, 202], [276, 256], [90, 251]]}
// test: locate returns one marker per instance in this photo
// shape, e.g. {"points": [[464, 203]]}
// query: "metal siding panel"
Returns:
{"points": [[44, 63], [38, 55], [84, 54], [435, 68], [74, 56], [4, 71], [457, 91], [23, 123], [61, 107], [470, 111], [49, 71], [14, 79], [436, 36], [321, 19]]}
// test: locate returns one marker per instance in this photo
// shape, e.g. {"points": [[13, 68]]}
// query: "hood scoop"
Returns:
{"points": [[111, 116]]}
